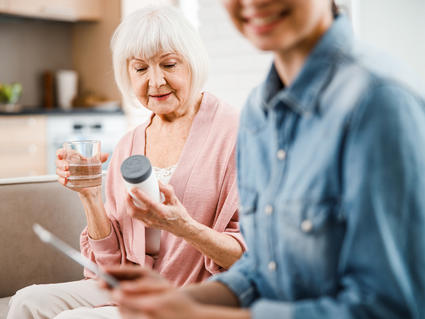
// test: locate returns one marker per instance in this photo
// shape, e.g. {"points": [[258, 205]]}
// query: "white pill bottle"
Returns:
{"points": [[136, 171]]}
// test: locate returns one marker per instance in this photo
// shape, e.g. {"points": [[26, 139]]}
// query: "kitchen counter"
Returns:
{"points": [[37, 134], [57, 111]]}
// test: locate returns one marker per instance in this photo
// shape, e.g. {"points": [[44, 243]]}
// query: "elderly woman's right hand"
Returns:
{"points": [[62, 168]]}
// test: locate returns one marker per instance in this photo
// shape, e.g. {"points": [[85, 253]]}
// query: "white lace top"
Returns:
{"points": [[164, 174]]}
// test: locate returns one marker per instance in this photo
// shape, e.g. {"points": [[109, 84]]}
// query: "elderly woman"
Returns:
{"points": [[190, 140]]}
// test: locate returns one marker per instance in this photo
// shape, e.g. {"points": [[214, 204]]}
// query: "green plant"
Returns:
{"points": [[10, 93]]}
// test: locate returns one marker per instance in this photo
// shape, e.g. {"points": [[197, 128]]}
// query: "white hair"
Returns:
{"points": [[152, 30]]}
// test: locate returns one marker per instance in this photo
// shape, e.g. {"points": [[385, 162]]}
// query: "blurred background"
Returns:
{"points": [[56, 78]]}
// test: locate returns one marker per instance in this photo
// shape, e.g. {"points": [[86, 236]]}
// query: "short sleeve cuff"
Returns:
{"points": [[238, 284], [239, 238], [109, 244]]}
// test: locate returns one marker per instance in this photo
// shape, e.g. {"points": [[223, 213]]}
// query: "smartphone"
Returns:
{"points": [[74, 254]]}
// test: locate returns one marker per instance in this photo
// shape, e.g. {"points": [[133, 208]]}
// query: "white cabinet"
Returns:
{"points": [[107, 128], [62, 10]]}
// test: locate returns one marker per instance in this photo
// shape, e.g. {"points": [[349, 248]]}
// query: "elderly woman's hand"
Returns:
{"points": [[170, 215], [62, 168]]}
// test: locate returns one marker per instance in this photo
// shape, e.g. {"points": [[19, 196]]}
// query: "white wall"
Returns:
{"points": [[236, 67], [395, 26], [129, 6]]}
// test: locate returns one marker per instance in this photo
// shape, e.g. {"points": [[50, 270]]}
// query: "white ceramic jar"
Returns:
{"points": [[137, 172]]}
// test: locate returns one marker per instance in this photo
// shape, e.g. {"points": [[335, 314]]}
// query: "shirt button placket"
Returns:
{"points": [[268, 210], [306, 226], [272, 266], [281, 154]]}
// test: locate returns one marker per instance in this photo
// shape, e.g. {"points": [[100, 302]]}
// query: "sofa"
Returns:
{"points": [[24, 259]]}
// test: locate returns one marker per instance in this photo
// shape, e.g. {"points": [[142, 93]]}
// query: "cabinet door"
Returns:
{"points": [[73, 10], [63, 10], [23, 148], [25, 7], [88, 10], [3, 5]]}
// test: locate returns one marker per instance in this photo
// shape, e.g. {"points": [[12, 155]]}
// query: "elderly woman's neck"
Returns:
{"points": [[180, 116]]}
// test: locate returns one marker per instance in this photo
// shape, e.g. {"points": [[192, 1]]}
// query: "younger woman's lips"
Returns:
{"points": [[263, 28], [265, 24]]}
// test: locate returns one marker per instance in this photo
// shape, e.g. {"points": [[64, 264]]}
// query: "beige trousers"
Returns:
{"points": [[75, 299]]}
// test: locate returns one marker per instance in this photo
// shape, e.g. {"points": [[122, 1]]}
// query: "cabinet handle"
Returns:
{"points": [[96, 126], [78, 126]]}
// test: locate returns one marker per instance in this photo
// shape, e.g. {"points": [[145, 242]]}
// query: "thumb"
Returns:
{"points": [[104, 157], [167, 190]]}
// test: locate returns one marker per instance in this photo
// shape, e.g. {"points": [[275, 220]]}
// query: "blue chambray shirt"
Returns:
{"points": [[331, 174]]}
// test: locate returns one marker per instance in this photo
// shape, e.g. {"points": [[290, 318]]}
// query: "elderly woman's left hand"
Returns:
{"points": [[170, 215]]}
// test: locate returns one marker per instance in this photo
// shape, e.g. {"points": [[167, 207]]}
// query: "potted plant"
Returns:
{"points": [[9, 96]]}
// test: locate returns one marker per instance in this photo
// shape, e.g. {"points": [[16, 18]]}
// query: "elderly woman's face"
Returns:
{"points": [[161, 83], [278, 25]]}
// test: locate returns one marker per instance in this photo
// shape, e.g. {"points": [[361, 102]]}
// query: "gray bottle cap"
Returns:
{"points": [[136, 169]]}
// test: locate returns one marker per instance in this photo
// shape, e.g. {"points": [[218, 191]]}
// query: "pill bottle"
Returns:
{"points": [[136, 171]]}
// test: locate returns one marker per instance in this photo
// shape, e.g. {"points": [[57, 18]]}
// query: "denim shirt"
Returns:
{"points": [[331, 177]]}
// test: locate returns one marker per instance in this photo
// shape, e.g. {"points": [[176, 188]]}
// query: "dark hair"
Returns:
{"points": [[335, 9]]}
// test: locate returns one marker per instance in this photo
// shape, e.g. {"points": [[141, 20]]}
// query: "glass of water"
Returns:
{"points": [[85, 167]]}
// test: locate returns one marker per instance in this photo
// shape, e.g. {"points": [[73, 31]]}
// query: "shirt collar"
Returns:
{"points": [[302, 95]]}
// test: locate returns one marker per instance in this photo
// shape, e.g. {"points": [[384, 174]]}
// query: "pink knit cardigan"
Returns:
{"points": [[204, 181]]}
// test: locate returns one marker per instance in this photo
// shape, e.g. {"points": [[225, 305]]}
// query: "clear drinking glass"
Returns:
{"points": [[85, 166]]}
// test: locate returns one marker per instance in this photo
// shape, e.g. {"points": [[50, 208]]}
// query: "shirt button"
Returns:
{"points": [[272, 266], [268, 210], [306, 226], [281, 154]]}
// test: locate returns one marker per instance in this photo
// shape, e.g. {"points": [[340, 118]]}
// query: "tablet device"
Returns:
{"points": [[72, 253]]}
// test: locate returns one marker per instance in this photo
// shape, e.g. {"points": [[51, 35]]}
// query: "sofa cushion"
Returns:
{"points": [[24, 258]]}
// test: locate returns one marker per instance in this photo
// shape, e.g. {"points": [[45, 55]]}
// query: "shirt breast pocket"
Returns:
{"points": [[309, 218], [313, 232]]}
